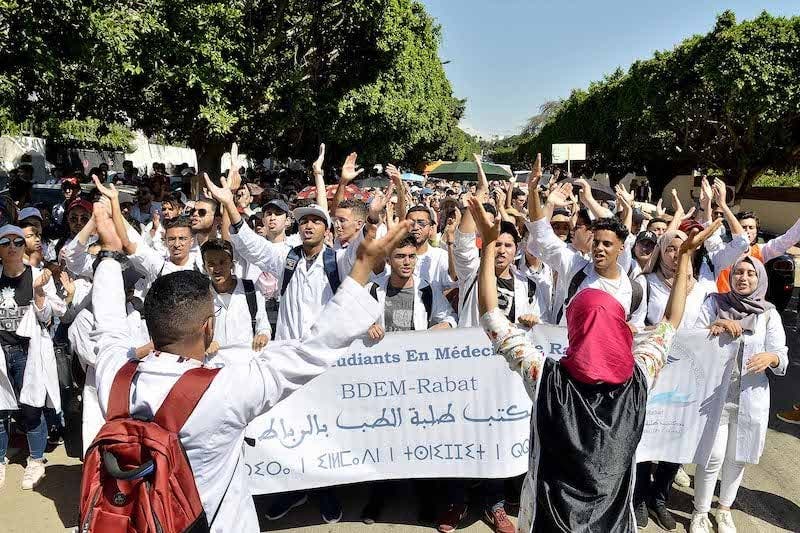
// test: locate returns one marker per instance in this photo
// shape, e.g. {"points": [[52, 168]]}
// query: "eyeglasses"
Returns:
{"points": [[173, 240], [5, 242], [199, 212]]}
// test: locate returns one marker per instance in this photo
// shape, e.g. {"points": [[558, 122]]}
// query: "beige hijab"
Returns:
{"points": [[660, 265]]}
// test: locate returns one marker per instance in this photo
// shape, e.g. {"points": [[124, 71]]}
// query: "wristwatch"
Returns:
{"points": [[117, 256]]}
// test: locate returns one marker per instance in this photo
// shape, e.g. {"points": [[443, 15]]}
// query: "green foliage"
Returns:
{"points": [[278, 75], [723, 101], [772, 179]]}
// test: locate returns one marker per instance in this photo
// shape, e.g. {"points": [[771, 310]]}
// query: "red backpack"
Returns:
{"points": [[136, 475]]}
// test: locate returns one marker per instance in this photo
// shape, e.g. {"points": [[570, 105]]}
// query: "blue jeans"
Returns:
{"points": [[31, 418]]}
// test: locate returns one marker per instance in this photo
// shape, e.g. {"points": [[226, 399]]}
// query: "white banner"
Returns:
{"points": [[433, 404], [568, 152]]}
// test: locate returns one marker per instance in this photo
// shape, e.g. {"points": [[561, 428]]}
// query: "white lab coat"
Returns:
{"points": [[753, 417], [545, 283], [467, 261], [213, 436], [81, 338], [233, 323], [307, 292], [440, 307], [40, 382]]}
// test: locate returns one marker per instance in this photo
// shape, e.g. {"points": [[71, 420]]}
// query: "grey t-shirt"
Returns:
{"points": [[399, 309]]}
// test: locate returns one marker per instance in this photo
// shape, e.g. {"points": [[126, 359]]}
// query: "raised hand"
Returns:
{"points": [[350, 171], [109, 239], [222, 194], [680, 214], [379, 201], [482, 190], [451, 225], [720, 192], [372, 252], [109, 191], [623, 194], [394, 173], [697, 238], [585, 191], [706, 192], [316, 166], [488, 227], [68, 283], [234, 179], [660, 211], [536, 174], [43, 278], [561, 195]]}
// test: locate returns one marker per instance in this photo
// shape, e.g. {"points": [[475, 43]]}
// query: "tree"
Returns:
{"points": [[727, 101], [278, 75], [547, 111]]}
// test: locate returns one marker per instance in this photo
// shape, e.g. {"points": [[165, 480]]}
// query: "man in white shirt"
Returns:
{"points": [[145, 207], [179, 312], [601, 272], [432, 262], [348, 219], [241, 317]]}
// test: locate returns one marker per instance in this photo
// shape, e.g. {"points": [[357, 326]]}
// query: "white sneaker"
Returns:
{"points": [[34, 473], [700, 523], [682, 479], [3, 472], [725, 522]]}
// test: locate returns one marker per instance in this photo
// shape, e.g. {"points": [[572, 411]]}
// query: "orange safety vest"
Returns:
{"points": [[723, 286]]}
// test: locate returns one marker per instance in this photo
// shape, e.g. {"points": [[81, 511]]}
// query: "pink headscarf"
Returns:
{"points": [[600, 341]]}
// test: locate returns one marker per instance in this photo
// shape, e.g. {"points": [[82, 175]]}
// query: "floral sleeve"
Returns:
{"points": [[512, 343], [651, 353]]}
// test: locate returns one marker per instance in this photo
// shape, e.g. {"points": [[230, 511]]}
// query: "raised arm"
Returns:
{"points": [[680, 214], [400, 189], [722, 254], [779, 245], [349, 172], [319, 179], [589, 201], [508, 340]]}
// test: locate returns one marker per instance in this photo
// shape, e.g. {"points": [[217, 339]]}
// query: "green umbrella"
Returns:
{"points": [[468, 171]]}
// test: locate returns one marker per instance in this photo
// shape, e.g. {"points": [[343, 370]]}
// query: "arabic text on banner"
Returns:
{"points": [[434, 404]]}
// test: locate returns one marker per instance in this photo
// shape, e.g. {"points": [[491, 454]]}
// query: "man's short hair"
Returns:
{"points": [[611, 224], [657, 219], [517, 193], [174, 199], [491, 209], [421, 209], [358, 208], [216, 245], [583, 218], [408, 241], [209, 201], [175, 306], [511, 229], [181, 221], [28, 223], [747, 214]]}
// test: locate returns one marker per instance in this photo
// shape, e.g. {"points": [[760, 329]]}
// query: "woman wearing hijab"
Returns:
{"points": [[744, 314], [654, 482], [589, 407]]}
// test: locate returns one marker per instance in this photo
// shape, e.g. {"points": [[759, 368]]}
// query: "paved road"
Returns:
{"points": [[769, 500]]}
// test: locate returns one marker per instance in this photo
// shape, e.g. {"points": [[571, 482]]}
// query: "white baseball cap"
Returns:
{"points": [[312, 209], [29, 212], [10, 229]]}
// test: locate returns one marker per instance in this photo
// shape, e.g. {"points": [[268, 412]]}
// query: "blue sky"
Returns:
{"points": [[507, 57]]}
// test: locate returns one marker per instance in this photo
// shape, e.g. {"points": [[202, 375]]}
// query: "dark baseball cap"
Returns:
{"points": [[646, 236], [280, 204]]}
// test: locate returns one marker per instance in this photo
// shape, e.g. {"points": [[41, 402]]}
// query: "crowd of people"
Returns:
{"points": [[186, 279]]}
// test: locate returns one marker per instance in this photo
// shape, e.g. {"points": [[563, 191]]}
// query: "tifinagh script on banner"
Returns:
{"points": [[428, 404]]}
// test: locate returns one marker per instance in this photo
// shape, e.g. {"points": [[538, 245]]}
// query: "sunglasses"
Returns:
{"points": [[199, 212], [17, 242]]}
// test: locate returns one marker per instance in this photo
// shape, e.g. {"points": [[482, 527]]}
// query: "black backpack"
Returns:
{"points": [[328, 263], [580, 276]]}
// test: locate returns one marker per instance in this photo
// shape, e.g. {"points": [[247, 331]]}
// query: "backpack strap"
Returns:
{"points": [[574, 284], [531, 290], [291, 264], [183, 398], [252, 305], [469, 289], [373, 291], [426, 293], [331, 268], [119, 398]]}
